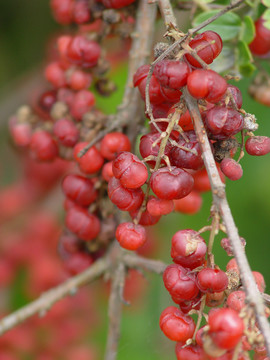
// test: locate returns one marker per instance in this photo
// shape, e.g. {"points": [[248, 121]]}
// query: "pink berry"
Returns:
{"points": [[231, 168], [258, 145], [130, 236]]}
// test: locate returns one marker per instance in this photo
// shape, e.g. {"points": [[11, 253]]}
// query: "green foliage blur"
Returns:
{"points": [[24, 28]]}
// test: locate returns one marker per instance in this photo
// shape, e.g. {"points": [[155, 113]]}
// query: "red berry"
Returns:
{"points": [[146, 218], [140, 74], [201, 180], [188, 249], [172, 74], [227, 246], [66, 132], [190, 204], [223, 122], [208, 46], [114, 143], [70, 243], [62, 11], [225, 328], [158, 207], [261, 43], [190, 352], [116, 4], [78, 79], [83, 52], [236, 300], [259, 280], [180, 283], [91, 161], [55, 74], [45, 104], [147, 148], [206, 84], [171, 95], [86, 226], [188, 305], [77, 263], [43, 146], [236, 94], [21, 132], [107, 172], [131, 172], [130, 236], [258, 145], [232, 266], [183, 158], [155, 94], [83, 101], [124, 199], [171, 183], [185, 121], [79, 189], [81, 12], [231, 168], [212, 280], [175, 325]]}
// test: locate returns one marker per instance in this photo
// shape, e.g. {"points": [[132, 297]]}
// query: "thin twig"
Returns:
{"points": [[139, 262], [219, 198], [167, 13]]}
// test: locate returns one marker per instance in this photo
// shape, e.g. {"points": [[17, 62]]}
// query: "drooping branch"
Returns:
{"points": [[254, 297]]}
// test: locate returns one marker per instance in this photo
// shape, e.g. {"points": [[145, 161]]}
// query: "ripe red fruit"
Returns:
{"points": [[236, 300], [158, 207], [261, 43], [171, 183], [146, 148], [131, 172], [79, 189], [206, 84], [231, 168], [223, 122], [190, 352], [185, 159], [124, 199], [78, 262], [70, 243], [155, 93], [62, 11], [180, 283], [45, 103], [140, 74], [55, 74], [83, 52], [43, 146], [258, 145], [259, 280], [83, 101], [146, 218], [91, 161], [66, 132], [175, 325], [78, 79], [190, 204], [212, 280], [225, 327], [107, 172], [116, 4], [188, 248], [81, 12], [172, 74], [208, 46], [130, 236], [21, 132], [236, 94], [114, 143], [86, 226]]}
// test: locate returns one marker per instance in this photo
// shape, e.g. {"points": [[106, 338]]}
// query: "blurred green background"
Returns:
{"points": [[25, 27]]}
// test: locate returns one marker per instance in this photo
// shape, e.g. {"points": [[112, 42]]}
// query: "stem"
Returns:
{"points": [[167, 13], [139, 262], [213, 232], [219, 198], [200, 316]]}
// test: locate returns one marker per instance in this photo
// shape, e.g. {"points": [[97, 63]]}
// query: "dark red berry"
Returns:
{"points": [[223, 122], [261, 43], [231, 168], [131, 172], [188, 249], [225, 328], [236, 94], [206, 84], [175, 325], [183, 158], [258, 145], [146, 148], [66, 132], [171, 183], [140, 74], [70, 243], [124, 199], [212, 280], [79, 189], [172, 74], [86, 226], [43, 146], [146, 219], [114, 143], [130, 236], [190, 352], [116, 4], [91, 161], [155, 93], [45, 103]]}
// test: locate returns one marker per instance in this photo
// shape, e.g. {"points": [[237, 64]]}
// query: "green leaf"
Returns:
{"points": [[247, 70], [227, 26], [225, 61], [266, 17], [266, 3], [248, 30], [244, 58]]}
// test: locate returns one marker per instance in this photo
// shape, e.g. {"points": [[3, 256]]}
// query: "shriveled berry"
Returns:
{"points": [[206, 84], [146, 148], [130, 236], [232, 266], [175, 325], [66, 132], [223, 122], [43, 146], [236, 94], [131, 172], [85, 225], [182, 158], [79, 189], [114, 143], [231, 168], [259, 280], [227, 246], [91, 161], [225, 328], [180, 283], [188, 248], [190, 204], [214, 299], [171, 183], [124, 199], [158, 207], [258, 145], [172, 74], [212, 280], [236, 300]]}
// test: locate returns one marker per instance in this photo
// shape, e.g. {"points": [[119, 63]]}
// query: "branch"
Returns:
{"points": [[139, 262], [46, 300], [219, 198], [167, 13]]}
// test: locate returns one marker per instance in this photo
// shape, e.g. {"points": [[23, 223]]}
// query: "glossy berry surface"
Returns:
{"points": [[85, 225], [147, 149], [114, 143], [172, 74], [79, 189], [231, 168], [225, 328], [190, 352], [91, 161], [258, 145], [158, 207], [175, 325], [130, 236], [212, 280], [171, 183], [261, 43]]}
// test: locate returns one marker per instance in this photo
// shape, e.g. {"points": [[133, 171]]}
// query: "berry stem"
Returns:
{"points": [[213, 233], [200, 316]]}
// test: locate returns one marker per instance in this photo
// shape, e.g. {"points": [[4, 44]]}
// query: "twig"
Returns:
{"points": [[219, 198], [46, 300], [167, 13], [139, 262]]}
